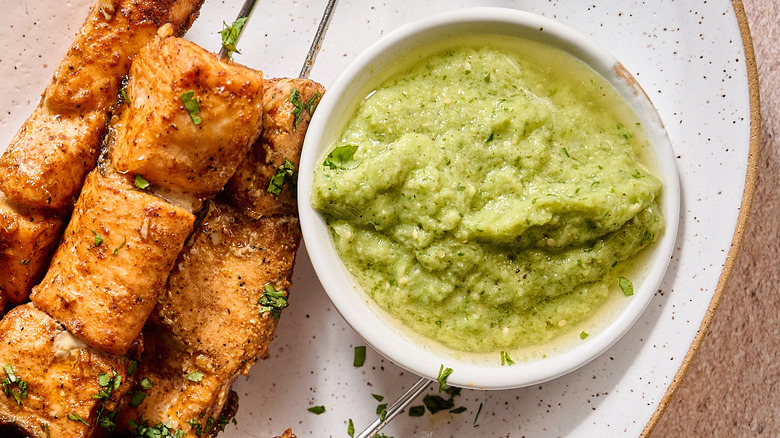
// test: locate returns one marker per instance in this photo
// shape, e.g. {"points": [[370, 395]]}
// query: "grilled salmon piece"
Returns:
{"points": [[42, 170], [114, 258], [288, 105], [187, 152], [24, 250], [212, 319], [57, 386]]}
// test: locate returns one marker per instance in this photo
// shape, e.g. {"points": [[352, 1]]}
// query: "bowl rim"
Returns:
{"points": [[343, 290]]}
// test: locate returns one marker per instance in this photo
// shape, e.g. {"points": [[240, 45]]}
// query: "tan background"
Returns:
{"points": [[731, 389]]}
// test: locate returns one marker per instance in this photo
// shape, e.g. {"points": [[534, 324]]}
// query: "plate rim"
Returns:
{"points": [[751, 178]]}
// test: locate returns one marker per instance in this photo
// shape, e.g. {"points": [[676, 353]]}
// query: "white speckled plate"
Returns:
{"points": [[690, 59]]}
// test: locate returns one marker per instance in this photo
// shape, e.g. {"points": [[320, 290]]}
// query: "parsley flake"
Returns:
{"points": [[98, 239], [116, 250], [230, 35], [626, 286], [505, 359], [273, 301], [137, 398], [195, 376], [191, 104], [342, 158], [417, 411], [77, 417], [286, 174], [141, 183], [444, 373], [316, 409], [300, 108], [12, 380], [360, 356]]}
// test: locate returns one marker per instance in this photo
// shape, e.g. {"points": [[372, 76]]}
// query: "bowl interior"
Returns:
{"points": [[394, 53]]}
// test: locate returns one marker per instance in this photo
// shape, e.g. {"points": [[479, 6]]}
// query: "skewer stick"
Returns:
{"points": [[316, 44], [418, 388], [245, 11]]}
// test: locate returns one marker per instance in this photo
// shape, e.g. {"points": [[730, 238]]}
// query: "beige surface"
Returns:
{"points": [[731, 388]]}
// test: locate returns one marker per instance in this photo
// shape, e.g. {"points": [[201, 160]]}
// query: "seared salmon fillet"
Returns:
{"points": [[43, 168], [114, 258], [215, 317], [56, 385], [288, 105], [179, 151]]}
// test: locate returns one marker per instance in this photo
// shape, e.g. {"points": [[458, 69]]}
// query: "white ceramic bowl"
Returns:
{"points": [[382, 331]]}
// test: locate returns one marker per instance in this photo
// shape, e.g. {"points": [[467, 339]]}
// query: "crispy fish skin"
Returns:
{"points": [[45, 164], [42, 170], [113, 260], [210, 316], [24, 252], [163, 142], [281, 139], [62, 376]]}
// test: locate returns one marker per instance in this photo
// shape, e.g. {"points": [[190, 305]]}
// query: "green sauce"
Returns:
{"points": [[493, 195]]}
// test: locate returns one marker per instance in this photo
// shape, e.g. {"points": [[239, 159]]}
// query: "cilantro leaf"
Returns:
{"points": [[285, 174], [505, 359], [77, 417], [191, 104], [417, 411], [444, 373], [316, 409], [360, 356], [273, 301], [351, 428], [141, 183], [195, 376], [626, 286], [342, 158], [230, 35], [301, 107], [98, 239]]}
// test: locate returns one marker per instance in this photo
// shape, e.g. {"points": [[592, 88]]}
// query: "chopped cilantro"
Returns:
{"points": [[458, 410], [195, 426], [11, 380], [583, 335], [490, 138], [146, 383], [45, 429], [273, 301], [444, 373], [116, 250], [141, 183], [125, 97], [191, 104], [417, 411], [360, 356], [300, 108], [230, 35], [351, 428], [378, 397], [436, 403], [98, 239], [77, 417], [137, 398], [132, 367], [160, 430], [380, 408], [626, 286], [505, 359], [195, 376], [285, 174], [342, 158], [476, 417], [316, 409]]}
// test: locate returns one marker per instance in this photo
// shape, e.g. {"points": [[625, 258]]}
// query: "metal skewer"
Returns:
{"points": [[396, 408], [316, 44]]}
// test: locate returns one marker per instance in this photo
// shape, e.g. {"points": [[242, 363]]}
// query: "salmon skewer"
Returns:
{"points": [[43, 168], [222, 302], [128, 228], [125, 235]]}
